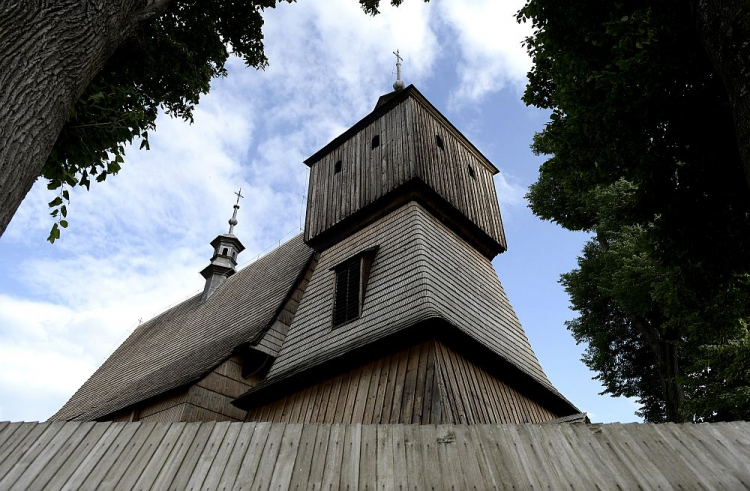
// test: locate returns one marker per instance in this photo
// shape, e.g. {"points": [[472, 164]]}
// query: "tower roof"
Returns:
{"points": [[423, 274]]}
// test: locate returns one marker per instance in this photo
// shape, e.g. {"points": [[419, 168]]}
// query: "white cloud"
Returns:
{"points": [[137, 242], [510, 192], [489, 40]]}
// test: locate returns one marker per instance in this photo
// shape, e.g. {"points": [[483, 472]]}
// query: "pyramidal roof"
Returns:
{"points": [[423, 274], [187, 341]]}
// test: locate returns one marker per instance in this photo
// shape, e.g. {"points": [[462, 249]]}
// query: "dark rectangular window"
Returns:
{"points": [[347, 298]]}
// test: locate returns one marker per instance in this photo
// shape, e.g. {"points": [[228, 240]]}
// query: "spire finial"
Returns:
{"points": [[233, 220], [398, 84]]}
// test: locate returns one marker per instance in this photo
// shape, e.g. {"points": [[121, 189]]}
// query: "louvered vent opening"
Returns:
{"points": [[348, 285]]}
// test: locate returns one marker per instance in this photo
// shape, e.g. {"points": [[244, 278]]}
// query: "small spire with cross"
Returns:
{"points": [[398, 84], [224, 260], [233, 220]]}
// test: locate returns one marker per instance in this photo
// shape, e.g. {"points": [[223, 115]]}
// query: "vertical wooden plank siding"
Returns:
{"points": [[429, 383], [366, 173], [446, 171], [463, 378], [407, 150]]}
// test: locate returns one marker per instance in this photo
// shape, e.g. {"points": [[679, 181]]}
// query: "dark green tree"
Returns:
{"points": [[81, 78], [647, 156]]}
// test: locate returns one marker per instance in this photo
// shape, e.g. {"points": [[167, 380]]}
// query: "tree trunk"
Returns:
{"points": [[49, 53], [665, 352], [724, 30], [667, 363]]}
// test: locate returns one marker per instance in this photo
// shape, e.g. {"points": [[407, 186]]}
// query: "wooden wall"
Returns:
{"points": [[167, 407], [209, 399], [273, 339], [366, 173], [426, 384], [407, 150], [472, 395], [446, 171]]}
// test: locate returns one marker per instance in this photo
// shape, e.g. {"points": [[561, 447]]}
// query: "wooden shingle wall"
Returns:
{"points": [[272, 340], [167, 407], [210, 399], [395, 297], [366, 173], [422, 271], [427, 383], [277, 456]]}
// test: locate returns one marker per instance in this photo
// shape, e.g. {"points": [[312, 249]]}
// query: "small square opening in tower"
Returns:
{"points": [[375, 142], [471, 172], [439, 142], [337, 167]]}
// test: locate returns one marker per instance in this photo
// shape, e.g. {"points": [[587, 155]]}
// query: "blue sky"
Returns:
{"points": [[137, 242]]}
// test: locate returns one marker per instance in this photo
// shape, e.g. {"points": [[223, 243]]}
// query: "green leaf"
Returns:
{"points": [[64, 224], [55, 202], [65, 195], [54, 234], [64, 210]]}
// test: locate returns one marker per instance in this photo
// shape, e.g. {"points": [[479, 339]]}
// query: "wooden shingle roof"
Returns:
{"points": [[182, 344], [422, 271], [279, 456]]}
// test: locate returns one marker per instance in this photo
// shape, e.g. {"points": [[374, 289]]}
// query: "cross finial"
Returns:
{"points": [[239, 195], [399, 84], [233, 220]]}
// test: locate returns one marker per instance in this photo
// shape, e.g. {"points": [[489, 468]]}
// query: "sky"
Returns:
{"points": [[137, 242]]}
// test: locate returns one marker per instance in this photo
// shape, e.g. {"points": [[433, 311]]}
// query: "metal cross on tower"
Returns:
{"points": [[233, 220], [398, 84]]}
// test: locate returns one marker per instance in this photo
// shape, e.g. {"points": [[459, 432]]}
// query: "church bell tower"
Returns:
{"points": [[404, 319]]}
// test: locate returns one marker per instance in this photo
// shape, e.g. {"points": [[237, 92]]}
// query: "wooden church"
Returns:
{"points": [[375, 351], [386, 310]]}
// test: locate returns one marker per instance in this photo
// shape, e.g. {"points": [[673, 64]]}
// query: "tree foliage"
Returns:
{"points": [[167, 64], [643, 155]]}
